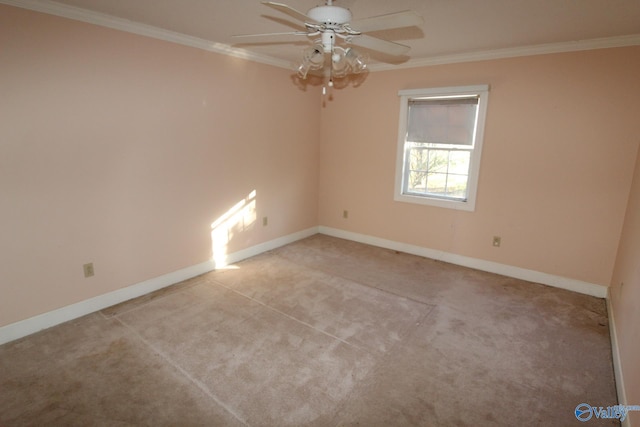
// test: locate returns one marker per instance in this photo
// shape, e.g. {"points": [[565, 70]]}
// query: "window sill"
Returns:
{"points": [[468, 205]]}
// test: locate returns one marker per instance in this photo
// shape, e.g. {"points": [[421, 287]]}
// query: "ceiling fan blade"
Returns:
{"points": [[384, 46], [407, 18], [288, 10], [288, 33]]}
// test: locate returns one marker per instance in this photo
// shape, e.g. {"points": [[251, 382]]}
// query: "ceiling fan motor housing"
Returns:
{"points": [[330, 15]]}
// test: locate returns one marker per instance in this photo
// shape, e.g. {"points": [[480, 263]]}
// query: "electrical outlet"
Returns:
{"points": [[88, 270], [265, 221], [497, 240], [345, 214]]}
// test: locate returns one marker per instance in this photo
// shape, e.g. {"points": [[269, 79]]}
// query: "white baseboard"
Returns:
{"points": [[46, 320], [37, 323], [479, 264], [617, 363], [271, 244]]}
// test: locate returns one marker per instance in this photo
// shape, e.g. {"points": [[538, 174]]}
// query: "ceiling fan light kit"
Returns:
{"points": [[343, 62], [326, 24]]}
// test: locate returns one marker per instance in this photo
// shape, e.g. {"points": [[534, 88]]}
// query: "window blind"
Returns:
{"points": [[442, 121]]}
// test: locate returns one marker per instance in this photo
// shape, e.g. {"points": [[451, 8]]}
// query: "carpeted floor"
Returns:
{"points": [[322, 332]]}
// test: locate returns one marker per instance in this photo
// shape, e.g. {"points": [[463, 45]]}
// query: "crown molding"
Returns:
{"points": [[104, 20], [542, 49], [79, 14]]}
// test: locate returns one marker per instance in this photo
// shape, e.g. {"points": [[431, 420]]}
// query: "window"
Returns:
{"points": [[439, 145]]}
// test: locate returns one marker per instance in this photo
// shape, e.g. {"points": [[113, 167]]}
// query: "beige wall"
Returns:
{"points": [[122, 150], [559, 150], [626, 298]]}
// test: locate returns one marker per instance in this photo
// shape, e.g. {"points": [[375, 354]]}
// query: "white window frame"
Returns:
{"points": [[482, 92]]}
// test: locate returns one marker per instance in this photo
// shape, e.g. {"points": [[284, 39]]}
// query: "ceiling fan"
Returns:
{"points": [[325, 25]]}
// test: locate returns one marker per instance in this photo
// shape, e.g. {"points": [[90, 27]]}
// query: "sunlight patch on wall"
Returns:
{"points": [[241, 217]]}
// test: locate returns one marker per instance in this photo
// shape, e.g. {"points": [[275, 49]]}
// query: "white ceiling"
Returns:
{"points": [[452, 29]]}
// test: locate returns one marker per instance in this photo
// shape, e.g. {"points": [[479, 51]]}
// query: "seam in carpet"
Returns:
{"points": [[186, 374]]}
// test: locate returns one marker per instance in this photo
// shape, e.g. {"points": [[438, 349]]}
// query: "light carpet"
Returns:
{"points": [[321, 332]]}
